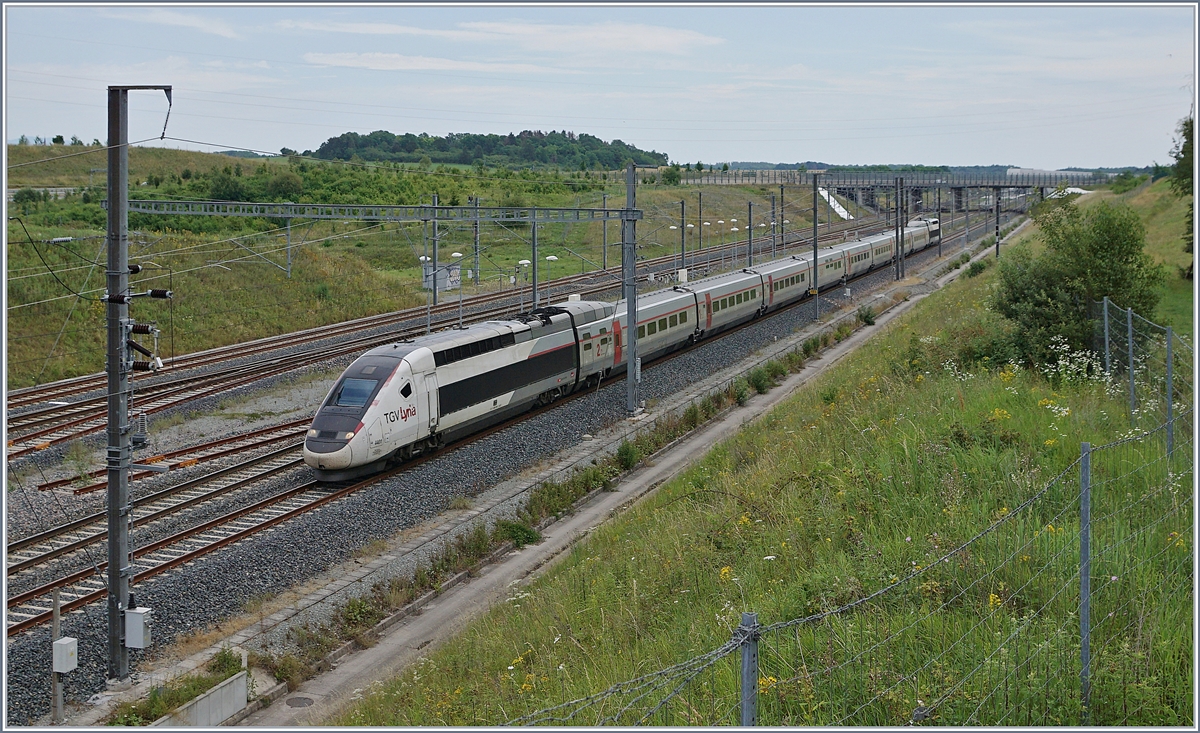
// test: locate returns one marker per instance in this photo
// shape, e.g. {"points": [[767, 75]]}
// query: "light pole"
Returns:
{"points": [[456, 256], [549, 258], [690, 233], [521, 265]]}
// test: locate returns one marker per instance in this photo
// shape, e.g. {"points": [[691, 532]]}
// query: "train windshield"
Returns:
{"points": [[354, 392]]}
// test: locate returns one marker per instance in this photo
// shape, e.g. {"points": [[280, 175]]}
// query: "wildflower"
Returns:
{"points": [[994, 600], [744, 520], [1000, 414], [1114, 578], [908, 539], [769, 557], [1050, 442], [1024, 558], [726, 573], [920, 378], [1046, 402], [765, 683]]}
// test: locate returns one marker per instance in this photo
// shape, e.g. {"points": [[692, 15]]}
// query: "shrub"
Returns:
{"points": [[627, 455], [519, 533], [741, 391], [977, 267], [760, 380], [866, 316], [776, 369]]}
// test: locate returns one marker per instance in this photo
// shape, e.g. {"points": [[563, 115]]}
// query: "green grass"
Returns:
{"points": [[859, 480], [1163, 213]]}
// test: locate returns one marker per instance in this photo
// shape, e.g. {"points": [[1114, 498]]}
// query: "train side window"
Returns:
{"points": [[739, 297], [641, 332], [586, 336], [587, 346], [754, 293], [674, 321], [651, 328], [603, 331], [683, 317], [604, 341], [662, 324], [406, 390]]}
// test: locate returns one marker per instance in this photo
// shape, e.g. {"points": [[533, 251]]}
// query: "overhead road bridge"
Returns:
{"points": [[1012, 178]]}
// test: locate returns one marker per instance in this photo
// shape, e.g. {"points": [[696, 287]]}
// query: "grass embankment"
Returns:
{"points": [[225, 289], [911, 446], [1163, 213]]}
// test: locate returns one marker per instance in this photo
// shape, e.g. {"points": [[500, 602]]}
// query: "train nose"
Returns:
{"points": [[328, 455]]}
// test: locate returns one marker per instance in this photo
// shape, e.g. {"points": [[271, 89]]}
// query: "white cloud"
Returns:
{"points": [[400, 62], [159, 16], [379, 29], [610, 39]]}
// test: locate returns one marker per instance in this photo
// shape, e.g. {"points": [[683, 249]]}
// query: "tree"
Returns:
{"points": [[1181, 180], [22, 140], [75, 140], [286, 186], [724, 167], [58, 140], [671, 176], [1090, 253]]}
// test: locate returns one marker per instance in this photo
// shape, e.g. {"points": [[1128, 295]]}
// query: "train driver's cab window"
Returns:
{"points": [[354, 392], [406, 390]]}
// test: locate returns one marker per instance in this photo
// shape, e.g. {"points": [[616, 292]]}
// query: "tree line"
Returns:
{"points": [[529, 148]]}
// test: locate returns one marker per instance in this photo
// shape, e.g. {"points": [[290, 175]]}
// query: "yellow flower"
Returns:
{"points": [[744, 520], [920, 378], [1050, 442], [1000, 414], [994, 600], [765, 683], [726, 573], [1046, 402]]}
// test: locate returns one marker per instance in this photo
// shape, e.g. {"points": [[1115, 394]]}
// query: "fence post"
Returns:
{"points": [[1170, 398], [1132, 393], [749, 633], [1107, 354], [1085, 576]]}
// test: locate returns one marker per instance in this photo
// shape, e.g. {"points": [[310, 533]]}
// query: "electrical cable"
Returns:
{"points": [[43, 259]]}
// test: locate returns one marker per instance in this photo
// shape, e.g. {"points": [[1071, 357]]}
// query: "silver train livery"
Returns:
{"points": [[407, 398]]}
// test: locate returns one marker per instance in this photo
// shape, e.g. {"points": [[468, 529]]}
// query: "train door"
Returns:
{"points": [[431, 400], [587, 352]]}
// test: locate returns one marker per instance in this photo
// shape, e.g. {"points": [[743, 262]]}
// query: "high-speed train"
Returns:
{"points": [[411, 397]]}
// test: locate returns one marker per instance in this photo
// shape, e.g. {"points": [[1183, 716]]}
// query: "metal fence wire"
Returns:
{"points": [[1073, 608]]}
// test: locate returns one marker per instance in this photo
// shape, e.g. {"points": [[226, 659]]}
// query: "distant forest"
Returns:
{"points": [[529, 148]]}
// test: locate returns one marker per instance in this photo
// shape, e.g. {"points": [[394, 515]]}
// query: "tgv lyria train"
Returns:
{"points": [[407, 398]]}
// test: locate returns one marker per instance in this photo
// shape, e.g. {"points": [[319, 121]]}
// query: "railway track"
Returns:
{"points": [[61, 421], [31, 607]]}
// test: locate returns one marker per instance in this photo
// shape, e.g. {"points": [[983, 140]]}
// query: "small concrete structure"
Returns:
{"points": [[213, 707]]}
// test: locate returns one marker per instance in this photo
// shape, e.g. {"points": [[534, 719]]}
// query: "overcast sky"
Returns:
{"points": [[1031, 86]]}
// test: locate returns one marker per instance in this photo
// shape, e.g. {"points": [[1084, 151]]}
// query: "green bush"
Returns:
{"points": [[977, 267], [741, 391], [760, 380], [866, 316], [628, 455], [519, 533]]}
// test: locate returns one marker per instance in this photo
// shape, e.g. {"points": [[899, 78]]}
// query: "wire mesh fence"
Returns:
{"points": [[1072, 608]]}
